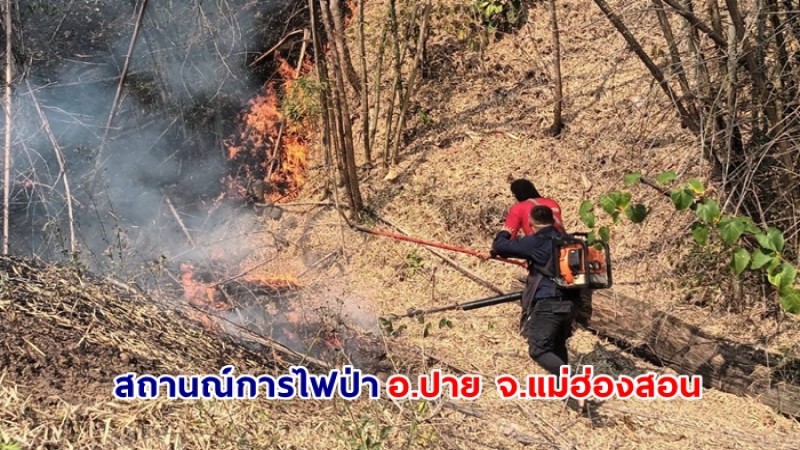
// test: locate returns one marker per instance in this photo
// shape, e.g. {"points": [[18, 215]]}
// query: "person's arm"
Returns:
{"points": [[513, 221], [532, 248], [507, 247]]}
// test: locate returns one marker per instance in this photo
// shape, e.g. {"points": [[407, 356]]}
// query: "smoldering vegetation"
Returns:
{"points": [[190, 74]]}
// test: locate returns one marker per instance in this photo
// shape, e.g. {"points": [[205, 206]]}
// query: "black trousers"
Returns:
{"points": [[547, 328]]}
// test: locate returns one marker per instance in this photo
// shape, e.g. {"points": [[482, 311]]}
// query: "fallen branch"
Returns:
{"points": [[180, 222], [275, 47]]}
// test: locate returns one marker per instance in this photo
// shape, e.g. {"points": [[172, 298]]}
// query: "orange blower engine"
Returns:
{"points": [[580, 265]]}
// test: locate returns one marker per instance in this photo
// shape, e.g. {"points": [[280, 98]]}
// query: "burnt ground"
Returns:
{"points": [[56, 362], [69, 334]]}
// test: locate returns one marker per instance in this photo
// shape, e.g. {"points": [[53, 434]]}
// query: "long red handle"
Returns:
{"points": [[400, 237]]}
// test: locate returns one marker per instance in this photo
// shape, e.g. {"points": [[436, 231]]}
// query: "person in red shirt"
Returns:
{"points": [[528, 197]]}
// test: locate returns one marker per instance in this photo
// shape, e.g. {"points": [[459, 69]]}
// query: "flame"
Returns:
{"points": [[199, 294], [271, 147]]}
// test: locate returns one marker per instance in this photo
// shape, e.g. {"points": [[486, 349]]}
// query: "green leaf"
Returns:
{"points": [[771, 240], [609, 203], [774, 265], [632, 178], [776, 237], [785, 278], [666, 178], [591, 237], [700, 233], [615, 216], [790, 300], [589, 219], [731, 230], [749, 226], [623, 200], [709, 211], [741, 258], [427, 331], [696, 185], [682, 199], [586, 206], [637, 213], [605, 234], [760, 259]]}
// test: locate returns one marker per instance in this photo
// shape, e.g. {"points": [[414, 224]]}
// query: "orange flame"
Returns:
{"points": [[270, 146]]}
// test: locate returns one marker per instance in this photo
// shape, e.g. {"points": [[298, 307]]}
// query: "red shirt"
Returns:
{"points": [[519, 216]]}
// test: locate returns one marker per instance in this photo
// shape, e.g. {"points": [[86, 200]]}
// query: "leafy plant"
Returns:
{"points": [[414, 262], [388, 327], [498, 14], [301, 100], [749, 246], [367, 437]]}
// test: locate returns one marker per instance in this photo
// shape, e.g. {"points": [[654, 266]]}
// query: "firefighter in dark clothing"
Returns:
{"points": [[548, 312]]}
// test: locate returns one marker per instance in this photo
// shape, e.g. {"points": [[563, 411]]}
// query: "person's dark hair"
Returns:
{"points": [[542, 215], [523, 190]]}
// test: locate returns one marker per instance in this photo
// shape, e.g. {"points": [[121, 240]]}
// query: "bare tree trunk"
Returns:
{"points": [[364, 88], [378, 84], [322, 76], [397, 86], [341, 43], [719, 41], [787, 83], [342, 112], [701, 68], [558, 124], [654, 70], [677, 64], [9, 77], [411, 85], [731, 85]]}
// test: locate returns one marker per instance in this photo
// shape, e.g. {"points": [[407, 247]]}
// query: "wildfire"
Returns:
{"points": [[200, 294], [272, 148]]}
